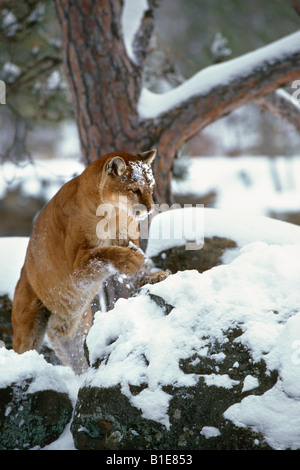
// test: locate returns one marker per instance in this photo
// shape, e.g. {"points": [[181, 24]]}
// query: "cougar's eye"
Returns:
{"points": [[135, 190]]}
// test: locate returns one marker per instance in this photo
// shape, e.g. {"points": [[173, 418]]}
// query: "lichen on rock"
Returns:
{"points": [[34, 404]]}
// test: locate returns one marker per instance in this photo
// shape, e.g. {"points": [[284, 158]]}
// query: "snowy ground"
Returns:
{"points": [[253, 185], [42, 179], [260, 279], [258, 290]]}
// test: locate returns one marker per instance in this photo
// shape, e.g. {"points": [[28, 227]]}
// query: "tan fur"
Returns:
{"points": [[66, 261]]}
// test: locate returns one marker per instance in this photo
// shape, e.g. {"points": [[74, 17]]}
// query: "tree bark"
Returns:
{"points": [[105, 84], [296, 5], [281, 104]]}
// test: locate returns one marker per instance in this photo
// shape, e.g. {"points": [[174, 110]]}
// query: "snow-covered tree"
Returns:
{"points": [[105, 47]]}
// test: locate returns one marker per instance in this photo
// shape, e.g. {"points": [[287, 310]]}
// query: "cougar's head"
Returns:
{"points": [[130, 183]]}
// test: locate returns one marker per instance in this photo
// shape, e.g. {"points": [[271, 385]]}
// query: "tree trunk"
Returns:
{"points": [[105, 85]]}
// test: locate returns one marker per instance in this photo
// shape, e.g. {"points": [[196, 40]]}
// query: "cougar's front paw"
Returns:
{"points": [[131, 260], [153, 278]]}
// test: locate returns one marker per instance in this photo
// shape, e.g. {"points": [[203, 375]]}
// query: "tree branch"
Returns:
{"points": [[217, 90], [34, 71], [296, 5], [282, 104], [142, 37]]}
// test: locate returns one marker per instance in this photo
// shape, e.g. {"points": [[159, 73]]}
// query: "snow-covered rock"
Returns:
{"points": [[171, 372], [199, 361], [35, 406]]}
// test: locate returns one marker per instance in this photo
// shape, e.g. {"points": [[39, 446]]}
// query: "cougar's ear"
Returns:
{"points": [[115, 167], [148, 157]]}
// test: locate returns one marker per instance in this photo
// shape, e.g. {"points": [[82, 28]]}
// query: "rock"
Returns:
{"points": [[5, 320], [34, 404], [199, 361], [178, 258], [111, 423], [105, 419], [291, 217], [17, 219], [6, 331]]}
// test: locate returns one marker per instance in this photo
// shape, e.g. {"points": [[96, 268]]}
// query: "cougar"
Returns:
{"points": [[83, 235]]}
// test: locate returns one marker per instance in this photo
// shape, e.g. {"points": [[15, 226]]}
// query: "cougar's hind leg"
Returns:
{"points": [[70, 348], [29, 317]]}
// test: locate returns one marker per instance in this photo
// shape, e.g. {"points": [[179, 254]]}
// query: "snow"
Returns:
{"points": [[219, 47], [41, 179], [292, 98], [175, 227], [245, 183], [258, 288], [250, 383], [151, 105], [10, 72], [12, 255], [248, 177], [132, 14], [141, 170], [179, 226], [9, 23], [274, 414], [37, 14], [54, 81], [15, 368], [210, 431]]}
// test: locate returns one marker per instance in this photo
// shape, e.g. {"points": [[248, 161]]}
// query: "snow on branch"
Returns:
{"points": [[259, 72], [132, 14], [282, 104], [137, 23]]}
